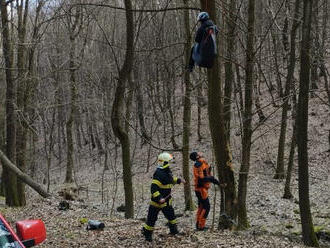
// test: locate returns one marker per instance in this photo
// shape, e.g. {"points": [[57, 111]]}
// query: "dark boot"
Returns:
{"points": [[147, 234], [173, 229]]}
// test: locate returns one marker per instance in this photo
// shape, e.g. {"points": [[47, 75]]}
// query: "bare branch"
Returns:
{"points": [[138, 10]]}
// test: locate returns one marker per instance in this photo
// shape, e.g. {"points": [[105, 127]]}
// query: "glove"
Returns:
{"points": [[215, 181]]}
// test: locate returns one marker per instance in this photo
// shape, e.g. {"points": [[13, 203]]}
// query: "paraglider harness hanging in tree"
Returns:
{"points": [[204, 53]]}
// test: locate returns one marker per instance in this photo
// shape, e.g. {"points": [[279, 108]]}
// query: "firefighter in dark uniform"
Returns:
{"points": [[161, 199]]}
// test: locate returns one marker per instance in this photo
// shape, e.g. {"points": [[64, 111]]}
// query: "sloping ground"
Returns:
{"points": [[65, 230]]}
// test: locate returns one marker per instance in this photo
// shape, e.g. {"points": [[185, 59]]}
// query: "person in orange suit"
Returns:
{"points": [[202, 181]]}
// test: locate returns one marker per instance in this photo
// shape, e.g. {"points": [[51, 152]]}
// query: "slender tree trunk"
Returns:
{"points": [[199, 110], [260, 113], [106, 120], [240, 99], [287, 187], [229, 72], [285, 108], [276, 63], [189, 205], [9, 178], [169, 96], [140, 107], [315, 49], [221, 145], [323, 69], [118, 115], [285, 34], [70, 121], [2, 141], [247, 119], [308, 233]]}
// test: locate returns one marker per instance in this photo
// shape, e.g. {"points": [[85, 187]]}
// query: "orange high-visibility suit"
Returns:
{"points": [[202, 179]]}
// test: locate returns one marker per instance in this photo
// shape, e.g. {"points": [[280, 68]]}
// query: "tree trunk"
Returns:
{"points": [[287, 187], [323, 69], [315, 49], [199, 110], [308, 233], [9, 178], [247, 119], [2, 141], [118, 115], [276, 63], [291, 68], [74, 28], [221, 145], [22, 89], [229, 72], [140, 107], [71, 118], [189, 205], [257, 103], [169, 95], [287, 190]]}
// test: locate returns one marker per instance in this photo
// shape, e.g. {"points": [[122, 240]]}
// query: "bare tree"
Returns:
{"points": [[74, 23], [308, 233], [221, 145], [229, 72], [247, 119], [9, 178], [286, 97], [186, 115], [288, 87], [21, 135], [118, 115]]}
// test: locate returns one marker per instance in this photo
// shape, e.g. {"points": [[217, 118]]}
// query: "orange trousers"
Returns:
{"points": [[203, 207]]}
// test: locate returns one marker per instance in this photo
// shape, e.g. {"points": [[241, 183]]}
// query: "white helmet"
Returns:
{"points": [[203, 16], [164, 160]]}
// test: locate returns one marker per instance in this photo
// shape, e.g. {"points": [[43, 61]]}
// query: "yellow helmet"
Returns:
{"points": [[164, 160]]}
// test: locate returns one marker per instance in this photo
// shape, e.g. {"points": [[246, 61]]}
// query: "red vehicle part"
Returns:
{"points": [[13, 234], [31, 230], [29, 233]]}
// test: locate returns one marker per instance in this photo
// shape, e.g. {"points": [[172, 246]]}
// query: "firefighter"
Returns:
{"points": [[202, 180], [161, 199]]}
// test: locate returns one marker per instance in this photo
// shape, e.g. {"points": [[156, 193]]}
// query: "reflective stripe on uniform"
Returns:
{"points": [[158, 205], [155, 194], [149, 228], [165, 166], [175, 180], [173, 221], [160, 185]]}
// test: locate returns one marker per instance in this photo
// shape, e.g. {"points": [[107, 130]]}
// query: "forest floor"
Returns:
{"points": [[275, 222]]}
